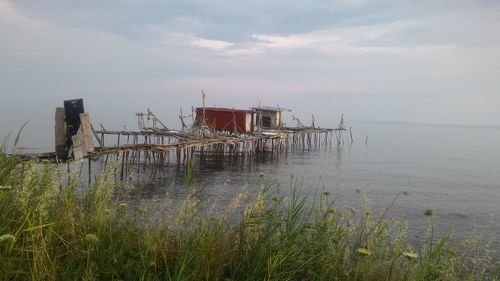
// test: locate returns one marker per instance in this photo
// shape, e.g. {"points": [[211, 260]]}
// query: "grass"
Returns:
{"points": [[49, 230]]}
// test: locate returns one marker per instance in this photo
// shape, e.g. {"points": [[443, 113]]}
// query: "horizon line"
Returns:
{"points": [[429, 124]]}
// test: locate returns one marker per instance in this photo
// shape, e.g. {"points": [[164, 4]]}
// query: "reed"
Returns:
{"points": [[49, 230]]}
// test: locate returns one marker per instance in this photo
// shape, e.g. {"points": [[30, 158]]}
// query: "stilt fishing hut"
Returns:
{"points": [[215, 131]]}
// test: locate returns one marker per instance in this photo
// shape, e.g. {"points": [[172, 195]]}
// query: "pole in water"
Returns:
{"points": [[90, 171], [69, 172]]}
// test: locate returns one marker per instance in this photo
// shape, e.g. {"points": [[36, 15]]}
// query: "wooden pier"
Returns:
{"points": [[161, 143], [156, 145]]}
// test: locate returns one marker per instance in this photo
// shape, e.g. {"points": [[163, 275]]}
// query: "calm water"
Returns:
{"points": [[453, 170]]}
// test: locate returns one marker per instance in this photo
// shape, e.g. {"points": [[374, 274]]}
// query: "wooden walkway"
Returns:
{"points": [[165, 141]]}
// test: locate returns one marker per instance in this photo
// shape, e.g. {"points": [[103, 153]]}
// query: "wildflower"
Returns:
{"points": [[428, 212], [7, 237], [91, 239], [122, 207], [410, 255], [364, 252]]}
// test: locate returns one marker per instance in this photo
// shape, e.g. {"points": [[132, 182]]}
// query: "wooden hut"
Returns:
{"points": [[268, 118], [226, 119]]}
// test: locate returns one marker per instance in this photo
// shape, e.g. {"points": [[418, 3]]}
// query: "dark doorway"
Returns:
{"points": [[72, 110]]}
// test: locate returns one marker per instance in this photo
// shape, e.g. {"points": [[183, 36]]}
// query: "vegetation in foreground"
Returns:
{"points": [[48, 231]]}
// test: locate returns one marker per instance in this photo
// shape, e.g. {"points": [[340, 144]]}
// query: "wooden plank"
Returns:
{"points": [[99, 140], [87, 133], [78, 145], [60, 132]]}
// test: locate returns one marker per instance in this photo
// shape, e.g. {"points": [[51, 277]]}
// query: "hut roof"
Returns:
{"points": [[270, 109], [223, 109]]}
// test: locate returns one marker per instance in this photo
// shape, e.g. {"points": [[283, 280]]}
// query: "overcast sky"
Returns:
{"points": [[416, 61]]}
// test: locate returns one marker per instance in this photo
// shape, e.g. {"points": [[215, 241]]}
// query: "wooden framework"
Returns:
{"points": [[156, 145]]}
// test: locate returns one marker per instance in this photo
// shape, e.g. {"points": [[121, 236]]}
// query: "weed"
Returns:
{"points": [[48, 233]]}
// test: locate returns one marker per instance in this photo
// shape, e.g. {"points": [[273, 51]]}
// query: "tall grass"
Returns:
{"points": [[49, 233]]}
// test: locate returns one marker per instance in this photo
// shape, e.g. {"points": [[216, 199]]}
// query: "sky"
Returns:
{"points": [[422, 61]]}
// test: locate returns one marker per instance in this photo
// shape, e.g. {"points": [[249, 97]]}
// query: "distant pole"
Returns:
{"points": [[366, 140], [203, 101], [350, 132]]}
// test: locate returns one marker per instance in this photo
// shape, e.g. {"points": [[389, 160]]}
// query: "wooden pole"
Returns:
{"points": [[90, 170]]}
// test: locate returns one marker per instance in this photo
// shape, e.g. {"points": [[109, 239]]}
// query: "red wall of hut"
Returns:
{"points": [[232, 120]]}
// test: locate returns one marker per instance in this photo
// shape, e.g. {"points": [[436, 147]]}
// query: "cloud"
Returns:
{"points": [[231, 21], [398, 59], [234, 85], [211, 44], [471, 28], [330, 42], [10, 17], [249, 28], [284, 42]]}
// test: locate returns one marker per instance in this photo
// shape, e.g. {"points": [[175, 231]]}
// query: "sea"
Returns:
{"points": [[396, 169]]}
